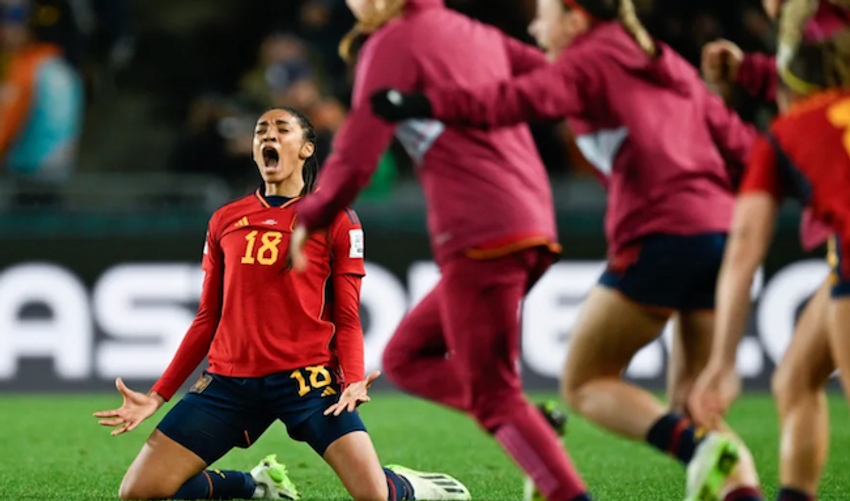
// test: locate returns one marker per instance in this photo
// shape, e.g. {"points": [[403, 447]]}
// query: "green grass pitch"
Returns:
{"points": [[52, 449]]}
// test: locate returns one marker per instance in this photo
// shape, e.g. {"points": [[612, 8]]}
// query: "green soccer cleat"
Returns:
{"points": [[432, 486], [714, 461], [272, 480], [556, 418]]}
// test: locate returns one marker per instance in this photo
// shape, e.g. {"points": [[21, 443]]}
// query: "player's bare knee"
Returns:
{"points": [[788, 385], [131, 488], [572, 391]]}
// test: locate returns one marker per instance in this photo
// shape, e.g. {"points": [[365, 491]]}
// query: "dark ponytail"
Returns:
{"points": [[310, 172]]}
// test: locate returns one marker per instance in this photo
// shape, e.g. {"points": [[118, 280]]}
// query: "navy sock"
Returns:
{"points": [[744, 494], [398, 486], [215, 484], [674, 434], [583, 497], [786, 494]]}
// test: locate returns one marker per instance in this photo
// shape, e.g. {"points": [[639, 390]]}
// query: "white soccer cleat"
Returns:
{"points": [[433, 486], [272, 480], [714, 461]]}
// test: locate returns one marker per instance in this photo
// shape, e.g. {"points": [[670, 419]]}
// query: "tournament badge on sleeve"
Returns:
{"points": [[201, 384], [356, 240]]}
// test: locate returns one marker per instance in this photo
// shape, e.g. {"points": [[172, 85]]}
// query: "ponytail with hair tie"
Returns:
{"points": [[631, 22]]}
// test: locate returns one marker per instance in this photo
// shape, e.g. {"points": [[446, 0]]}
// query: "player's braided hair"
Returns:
{"points": [[385, 11], [311, 166], [624, 12]]}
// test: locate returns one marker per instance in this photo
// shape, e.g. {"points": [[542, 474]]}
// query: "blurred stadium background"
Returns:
{"points": [[153, 103]]}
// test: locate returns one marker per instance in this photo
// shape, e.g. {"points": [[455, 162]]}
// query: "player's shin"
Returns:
{"points": [[839, 337], [532, 443]]}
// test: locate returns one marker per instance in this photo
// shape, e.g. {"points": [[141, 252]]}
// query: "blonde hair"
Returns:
{"points": [[816, 66], [796, 58], [792, 23], [385, 11], [630, 21]]}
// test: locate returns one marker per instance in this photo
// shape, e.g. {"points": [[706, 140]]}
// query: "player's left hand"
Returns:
{"points": [[394, 106], [296, 249], [354, 395], [714, 392]]}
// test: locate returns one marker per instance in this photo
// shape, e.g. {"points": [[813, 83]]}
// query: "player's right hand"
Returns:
{"points": [[715, 390], [136, 408], [721, 61], [297, 254]]}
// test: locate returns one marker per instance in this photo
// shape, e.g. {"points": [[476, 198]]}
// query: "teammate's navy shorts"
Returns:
{"points": [[221, 412], [675, 272], [838, 261]]}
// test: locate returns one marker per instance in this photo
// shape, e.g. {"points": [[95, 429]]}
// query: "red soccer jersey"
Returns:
{"points": [[258, 317], [807, 156]]}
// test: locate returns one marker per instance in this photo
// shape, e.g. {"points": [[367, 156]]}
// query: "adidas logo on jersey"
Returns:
{"points": [[269, 222], [328, 392], [242, 222]]}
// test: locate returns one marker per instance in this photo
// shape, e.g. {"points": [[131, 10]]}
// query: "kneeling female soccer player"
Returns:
{"points": [[281, 345]]}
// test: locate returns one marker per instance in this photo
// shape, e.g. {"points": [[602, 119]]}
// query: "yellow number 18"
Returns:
{"points": [[839, 116], [267, 253], [319, 378]]}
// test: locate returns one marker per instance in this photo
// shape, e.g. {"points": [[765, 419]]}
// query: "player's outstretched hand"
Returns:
{"points": [[394, 106], [296, 249], [714, 392], [354, 395], [721, 61], [136, 408]]}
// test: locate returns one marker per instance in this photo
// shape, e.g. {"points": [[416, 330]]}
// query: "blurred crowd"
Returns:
{"points": [[53, 56], [297, 65], [57, 56]]}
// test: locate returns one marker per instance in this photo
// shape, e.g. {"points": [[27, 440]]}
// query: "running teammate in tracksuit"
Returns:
{"points": [[490, 218]]}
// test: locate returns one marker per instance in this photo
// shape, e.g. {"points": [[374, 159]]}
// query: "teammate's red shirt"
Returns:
{"points": [[807, 156], [258, 317]]}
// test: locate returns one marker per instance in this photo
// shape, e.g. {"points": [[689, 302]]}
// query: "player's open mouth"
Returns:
{"points": [[270, 157]]}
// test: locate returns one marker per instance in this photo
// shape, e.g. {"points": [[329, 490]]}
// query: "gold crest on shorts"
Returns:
{"points": [[201, 384]]}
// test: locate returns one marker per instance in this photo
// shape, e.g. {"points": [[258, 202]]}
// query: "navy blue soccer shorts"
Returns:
{"points": [[220, 413], [672, 272], [840, 275]]}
